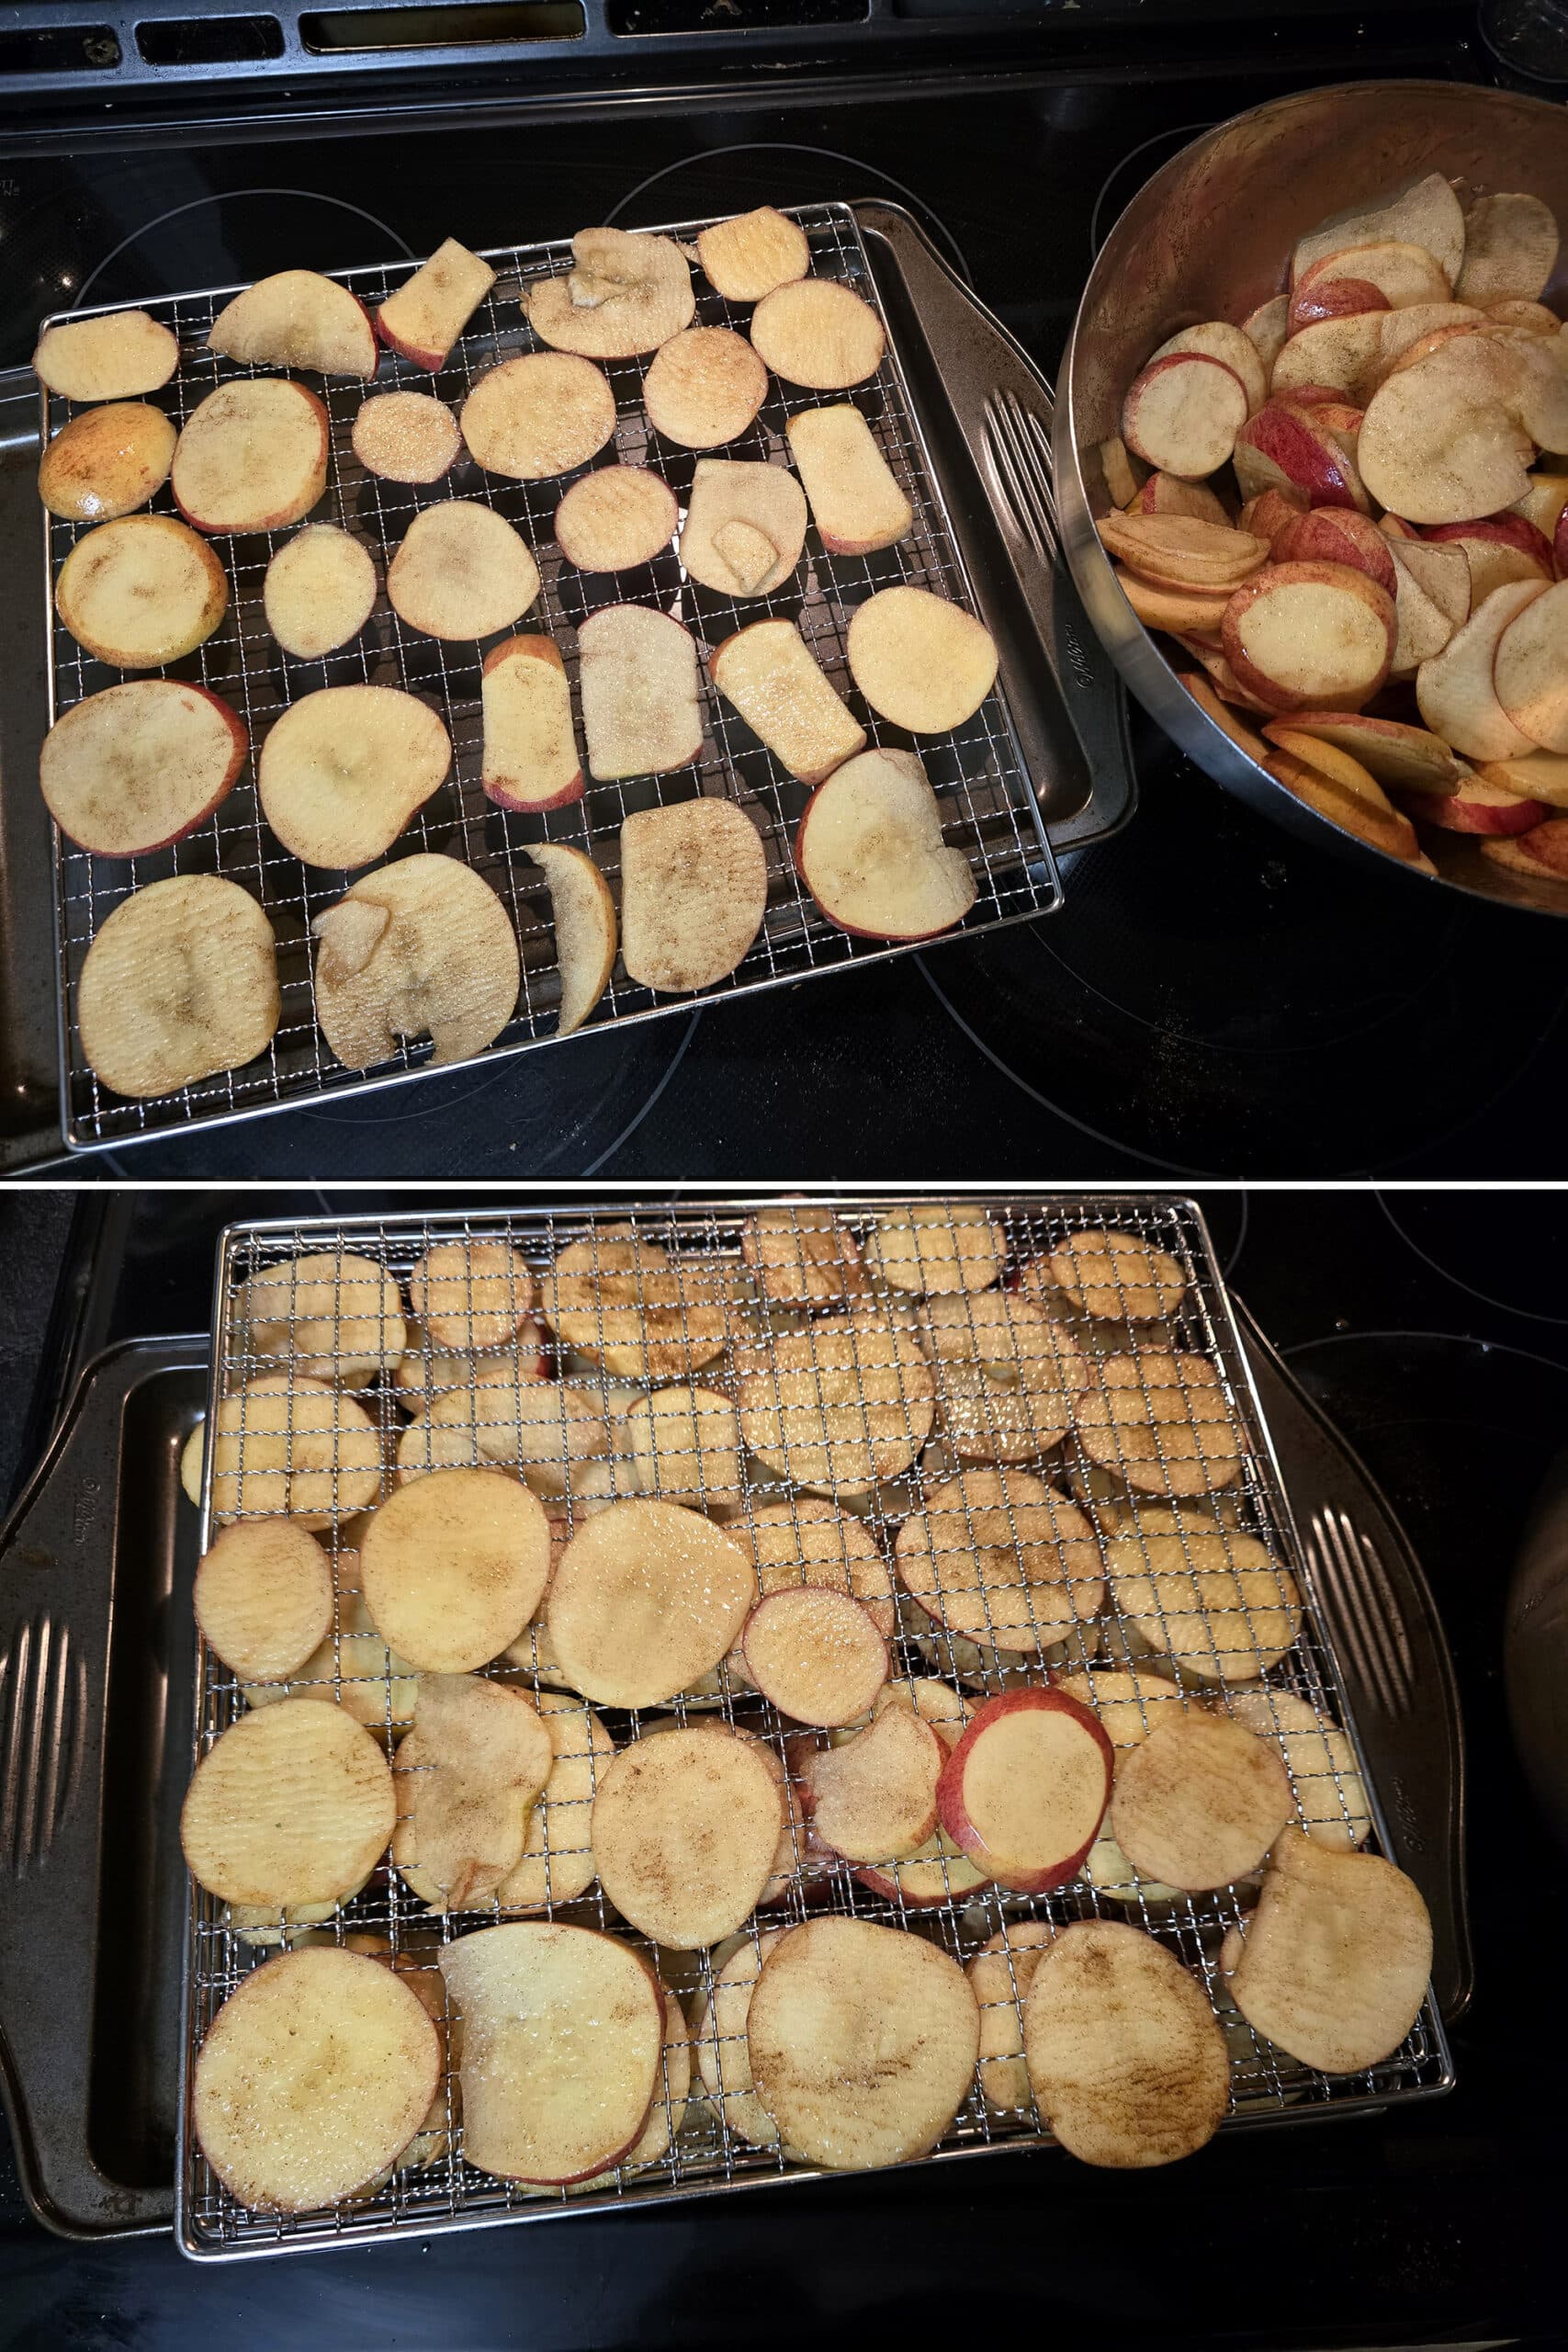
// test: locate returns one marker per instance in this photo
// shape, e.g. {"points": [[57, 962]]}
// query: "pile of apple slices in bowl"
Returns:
{"points": [[1350, 513]]}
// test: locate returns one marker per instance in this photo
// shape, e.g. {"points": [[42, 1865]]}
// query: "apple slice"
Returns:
{"points": [[1000, 1974], [141, 592], [641, 708], [1180, 611], [685, 1828], [141, 765], [583, 913], [1158, 1419], [1534, 775], [1216, 339], [1209, 701], [685, 1445], [861, 2042], [1000, 1557], [1339, 534], [406, 436], [563, 2037], [1543, 853], [871, 851], [288, 1444], [1478, 806], [297, 319], [802, 1257], [106, 462], [1338, 298], [319, 592], [1268, 328], [543, 415], [627, 292], [530, 747], [462, 572], [180, 983], [1429, 603], [1448, 439], [745, 526], [344, 769], [1199, 1801], [1184, 551], [745, 258], [1409, 759], [1168, 494], [424, 947], [251, 457], [1510, 250], [1530, 670], [620, 1299], [693, 893], [1394, 272], [424, 317], [1349, 778], [263, 1598], [817, 1655], [1025, 1789], [1363, 810], [1303, 635], [1127, 2058], [818, 333], [1455, 689], [1221, 678], [293, 1803], [469, 1296], [646, 1597], [1426, 213], [615, 518], [112, 358], [856, 503], [1285, 445], [452, 1567], [1498, 549], [718, 2030], [924, 662], [1543, 504], [1183, 412], [1124, 473], [1353, 355], [1320, 1759], [768, 672], [873, 1800], [472, 1770], [1337, 1958], [806, 1542], [703, 387]]}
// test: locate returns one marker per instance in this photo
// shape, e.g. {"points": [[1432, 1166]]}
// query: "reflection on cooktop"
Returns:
{"points": [[1499, 1248]]}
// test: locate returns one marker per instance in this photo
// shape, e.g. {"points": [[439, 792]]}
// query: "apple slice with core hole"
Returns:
{"points": [[685, 1828], [1216, 339], [641, 706], [406, 436], [1410, 759], [769, 675], [583, 912], [1199, 1801], [817, 1655], [106, 462], [1510, 249], [1183, 412], [1303, 635], [871, 851], [693, 893], [530, 747], [1456, 690], [1339, 534], [424, 947], [543, 415], [1530, 670], [1337, 1954], [344, 769], [746, 257], [140, 766], [319, 592], [856, 503], [615, 518], [703, 387], [297, 319], [627, 292], [819, 334], [251, 457], [1478, 806], [180, 983], [422, 318], [874, 1799], [109, 359], [1025, 1789], [461, 571]]}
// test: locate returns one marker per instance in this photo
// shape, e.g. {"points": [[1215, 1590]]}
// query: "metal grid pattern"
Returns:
{"points": [[989, 807], [688, 1268]]}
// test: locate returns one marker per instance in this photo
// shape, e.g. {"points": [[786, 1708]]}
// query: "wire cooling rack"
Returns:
{"points": [[690, 1268], [988, 806]]}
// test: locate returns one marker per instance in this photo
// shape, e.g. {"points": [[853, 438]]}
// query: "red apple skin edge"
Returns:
{"points": [[1560, 545], [242, 745], [274, 522], [621, 2153], [433, 361], [954, 1818], [549, 653], [1506, 530], [884, 1883], [853, 930], [1474, 817]]}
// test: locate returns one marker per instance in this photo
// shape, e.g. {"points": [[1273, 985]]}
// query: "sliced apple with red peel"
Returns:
{"points": [[819, 334], [874, 1799], [1217, 339], [1426, 213], [1543, 853], [142, 592], [1183, 550], [1498, 549], [422, 947], [1543, 504], [1455, 689], [1303, 634], [141, 765], [1334, 298], [1183, 413], [856, 503], [1510, 250], [406, 436], [769, 675], [1337, 1957], [1221, 676], [615, 518], [871, 851], [1354, 354], [1479, 807], [319, 592], [106, 462], [297, 319], [344, 770], [462, 572], [1399, 272], [471, 1772], [1530, 670], [641, 709], [1348, 776], [1025, 1789], [110, 358], [1168, 494], [1539, 776], [1267, 327], [180, 983], [251, 457], [424, 317], [693, 893], [703, 387], [628, 291], [924, 662], [1186, 611], [1283, 443], [745, 525], [936, 1872], [1410, 759], [1448, 439], [1124, 473], [1339, 534], [685, 1828], [1210, 704], [815, 1654], [1377, 822], [530, 747]]}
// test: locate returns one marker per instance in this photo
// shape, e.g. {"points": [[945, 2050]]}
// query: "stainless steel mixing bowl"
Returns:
{"points": [[1210, 237]]}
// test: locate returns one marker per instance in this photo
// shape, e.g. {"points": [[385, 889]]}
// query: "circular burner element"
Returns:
{"points": [[1508, 1250]]}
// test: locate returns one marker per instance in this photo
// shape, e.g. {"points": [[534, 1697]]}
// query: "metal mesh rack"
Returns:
{"points": [[988, 806], [686, 1270]]}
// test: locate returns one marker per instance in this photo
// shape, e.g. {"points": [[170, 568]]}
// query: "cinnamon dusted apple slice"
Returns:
{"points": [[874, 1799], [870, 850], [1025, 1789], [1230, 345], [1302, 635], [472, 1294], [646, 1597], [140, 766], [1216, 1603], [292, 1805], [806, 1542], [583, 913], [251, 457], [333, 1314], [1199, 1801], [180, 983], [1127, 2058], [406, 436], [142, 592], [615, 518], [424, 317], [718, 2032], [641, 706], [1183, 412], [1530, 670], [1320, 1759], [424, 947], [862, 2042], [1267, 327], [1199, 611], [817, 1655], [1452, 437], [530, 745], [1160, 1421], [1273, 510], [503, 1414], [1339, 534], [1000, 1974], [685, 1443], [1184, 551], [1534, 775], [1112, 1274], [1544, 504], [919, 660], [998, 1557], [745, 258], [1431, 600], [622, 1299], [936, 1248], [769, 675], [818, 334], [703, 387], [469, 1773], [1337, 1954], [543, 415], [856, 503], [627, 292], [462, 572], [1167, 494], [297, 319], [1341, 790], [319, 592], [1390, 271], [563, 2038], [558, 1864], [1353, 355], [344, 769], [1497, 548], [693, 893], [1541, 853], [109, 359], [802, 1255], [105, 463], [685, 1828], [1409, 759], [454, 1565], [1510, 250], [264, 1597], [745, 526], [1534, 317], [1456, 690], [840, 1407], [1426, 213]]}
